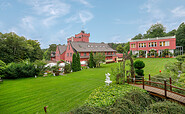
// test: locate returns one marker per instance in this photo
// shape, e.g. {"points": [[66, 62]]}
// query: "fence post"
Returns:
{"points": [[143, 82], [170, 84], [128, 79], [149, 79], [165, 92]]}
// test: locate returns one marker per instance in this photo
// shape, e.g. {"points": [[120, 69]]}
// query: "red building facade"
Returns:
{"points": [[158, 44], [80, 43]]}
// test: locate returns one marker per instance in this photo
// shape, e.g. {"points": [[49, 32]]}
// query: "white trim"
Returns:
{"points": [[157, 38]]}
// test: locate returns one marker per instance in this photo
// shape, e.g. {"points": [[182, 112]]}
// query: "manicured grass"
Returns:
{"points": [[61, 93]]}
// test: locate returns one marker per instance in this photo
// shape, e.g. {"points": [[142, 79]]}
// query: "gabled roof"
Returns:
{"points": [[62, 49], [88, 47]]}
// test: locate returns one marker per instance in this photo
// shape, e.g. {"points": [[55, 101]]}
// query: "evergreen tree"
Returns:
{"points": [[78, 61], [74, 65], [91, 61], [180, 36]]}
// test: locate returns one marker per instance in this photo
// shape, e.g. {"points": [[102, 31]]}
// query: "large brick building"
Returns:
{"points": [[80, 43], [158, 44]]}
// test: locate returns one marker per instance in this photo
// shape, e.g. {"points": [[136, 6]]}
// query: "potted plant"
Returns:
{"points": [[163, 55], [152, 52], [141, 52], [156, 55], [171, 55], [148, 55]]}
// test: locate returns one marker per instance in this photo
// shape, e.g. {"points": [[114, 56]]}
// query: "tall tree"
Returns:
{"points": [[78, 62], [16, 48], [171, 33], [120, 49], [139, 36], [156, 30], [91, 60], [180, 36], [127, 47], [98, 58], [74, 65]]}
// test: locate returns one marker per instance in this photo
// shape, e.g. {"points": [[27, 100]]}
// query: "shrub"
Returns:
{"points": [[140, 72], [2, 68], [138, 64], [40, 67], [165, 107], [107, 95], [19, 70], [67, 68], [133, 102]]}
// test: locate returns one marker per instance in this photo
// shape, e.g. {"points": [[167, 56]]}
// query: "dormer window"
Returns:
{"points": [[88, 45]]}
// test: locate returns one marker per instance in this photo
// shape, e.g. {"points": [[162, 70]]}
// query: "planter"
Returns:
{"points": [[167, 56], [140, 56], [57, 73], [152, 56]]}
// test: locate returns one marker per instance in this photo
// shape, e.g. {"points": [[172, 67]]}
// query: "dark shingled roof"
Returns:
{"points": [[88, 47], [62, 48]]}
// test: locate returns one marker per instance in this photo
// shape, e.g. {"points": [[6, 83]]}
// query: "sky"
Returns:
{"points": [[53, 21]]}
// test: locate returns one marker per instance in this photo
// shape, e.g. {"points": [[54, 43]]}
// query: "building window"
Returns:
{"points": [[165, 43], [69, 47], [84, 54], [70, 54], [152, 44], [133, 45], [142, 44]]}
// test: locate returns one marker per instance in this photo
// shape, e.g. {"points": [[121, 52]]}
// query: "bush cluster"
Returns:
{"points": [[133, 102], [19, 70], [107, 95]]}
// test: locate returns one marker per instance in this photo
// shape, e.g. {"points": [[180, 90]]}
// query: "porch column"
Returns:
{"points": [[146, 54]]}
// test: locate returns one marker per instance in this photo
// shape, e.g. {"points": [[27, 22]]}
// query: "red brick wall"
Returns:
{"points": [[172, 45], [68, 51]]}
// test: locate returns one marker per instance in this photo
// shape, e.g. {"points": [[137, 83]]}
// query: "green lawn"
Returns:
{"points": [[61, 93]]}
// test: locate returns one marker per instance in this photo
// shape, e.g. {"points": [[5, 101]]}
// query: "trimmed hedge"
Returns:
{"points": [[19, 70]]}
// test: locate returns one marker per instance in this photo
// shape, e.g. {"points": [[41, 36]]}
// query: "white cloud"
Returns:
{"points": [[27, 23], [85, 16], [49, 21], [49, 7], [4, 5], [153, 9], [179, 11], [80, 17], [116, 39], [85, 3]]}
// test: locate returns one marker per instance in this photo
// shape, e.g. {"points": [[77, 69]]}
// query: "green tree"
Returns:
{"points": [[156, 30], [74, 65], [78, 62], [171, 33], [180, 36], [91, 61], [47, 55], [36, 52], [139, 36], [120, 49], [98, 58], [127, 47]]}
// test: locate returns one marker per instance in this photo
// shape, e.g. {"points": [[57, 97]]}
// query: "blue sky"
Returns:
{"points": [[53, 21]]}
